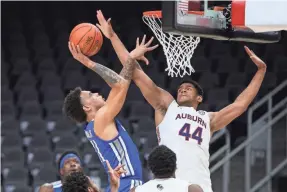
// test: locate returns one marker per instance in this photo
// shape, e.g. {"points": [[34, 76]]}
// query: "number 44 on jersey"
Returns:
{"points": [[196, 135]]}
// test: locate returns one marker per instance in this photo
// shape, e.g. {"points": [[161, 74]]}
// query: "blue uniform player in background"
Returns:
{"points": [[69, 162], [106, 134]]}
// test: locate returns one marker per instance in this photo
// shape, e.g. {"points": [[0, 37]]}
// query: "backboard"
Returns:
{"points": [[203, 19]]}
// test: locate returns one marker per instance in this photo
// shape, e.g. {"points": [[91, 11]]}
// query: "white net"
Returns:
{"points": [[178, 49]]}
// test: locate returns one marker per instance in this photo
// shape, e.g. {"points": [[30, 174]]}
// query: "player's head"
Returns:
{"points": [[189, 93], [162, 162], [69, 162], [77, 182], [78, 104]]}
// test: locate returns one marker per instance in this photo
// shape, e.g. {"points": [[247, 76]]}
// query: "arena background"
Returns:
{"points": [[37, 71]]}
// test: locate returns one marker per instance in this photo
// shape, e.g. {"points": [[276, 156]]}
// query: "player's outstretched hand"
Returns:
{"points": [[115, 174], [260, 64], [142, 48], [105, 25], [78, 55]]}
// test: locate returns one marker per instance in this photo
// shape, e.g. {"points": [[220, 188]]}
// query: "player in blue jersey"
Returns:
{"points": [[68, 163], [106, 134], [78, 181]]}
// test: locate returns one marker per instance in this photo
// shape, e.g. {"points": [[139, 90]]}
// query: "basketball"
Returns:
{"points": [[88, 37]]}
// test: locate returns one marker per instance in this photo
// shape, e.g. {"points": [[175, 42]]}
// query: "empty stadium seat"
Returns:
{"points": [[25, 79], [235, 80], [90, 158], [201, 64], [144, 124], [32, 108], [134, 94], [27, 94], [61, 26], [12, 155], [36, 25], [250, 67], [6, 94], [140, 109], [64, 126], [53, 109], [21, 65], [35, 127], [72, 65], [42, 53], [7, 110], [74, 79], [95, 81], [45, 66], [49, 78], [39, 158], [10, 127], [208, 80], [40, 141], [217, 95], [280, 64], [17, 38], [227, 65], [17, 176], [52, 93], [47, 174], [67, 142]]}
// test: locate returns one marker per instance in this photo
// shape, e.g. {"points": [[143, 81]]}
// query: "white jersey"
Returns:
{"points": [[187, 132], [164, 185]]}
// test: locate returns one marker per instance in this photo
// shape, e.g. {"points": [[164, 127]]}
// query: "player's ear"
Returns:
{"points": [[199, 98], [61, 172], [86, 108], [90, 189]]}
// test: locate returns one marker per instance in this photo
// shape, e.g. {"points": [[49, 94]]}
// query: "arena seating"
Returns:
{"points": [[37, 71]]}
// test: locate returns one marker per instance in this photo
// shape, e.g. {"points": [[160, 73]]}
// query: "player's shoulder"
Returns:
{"points": [[145, 186], [47, 187], [179, 181], [56, 184]]}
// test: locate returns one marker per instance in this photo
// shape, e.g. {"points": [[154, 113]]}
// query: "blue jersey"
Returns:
{"points": [[120, 150], [57, 186]]}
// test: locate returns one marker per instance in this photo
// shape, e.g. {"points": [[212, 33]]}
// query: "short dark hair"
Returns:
{"points": [[76, 182], [73, 107], [195, 84], [64, 154], [162, 162]]}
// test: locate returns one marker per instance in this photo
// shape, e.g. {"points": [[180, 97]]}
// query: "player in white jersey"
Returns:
{"points": [[162, 162], [179, 125]]}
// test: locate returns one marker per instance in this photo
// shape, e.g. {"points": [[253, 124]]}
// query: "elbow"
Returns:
{"points": [[240, 107]]}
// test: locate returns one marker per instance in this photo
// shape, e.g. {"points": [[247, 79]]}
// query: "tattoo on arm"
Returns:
{"points": [[127, 71], [107, 74]]}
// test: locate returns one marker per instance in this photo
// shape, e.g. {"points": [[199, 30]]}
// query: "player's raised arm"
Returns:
{"points": [[223, 117], [157, 97], [118, 83]]}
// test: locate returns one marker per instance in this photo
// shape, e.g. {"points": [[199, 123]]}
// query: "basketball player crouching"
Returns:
{"points": [[180, 126]]}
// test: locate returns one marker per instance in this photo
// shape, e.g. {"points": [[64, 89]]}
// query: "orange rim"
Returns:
{"points": [[159, 13]]}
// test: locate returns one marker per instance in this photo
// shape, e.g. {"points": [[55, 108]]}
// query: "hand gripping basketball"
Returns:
{"points": [[142, 48], [78, 55]]}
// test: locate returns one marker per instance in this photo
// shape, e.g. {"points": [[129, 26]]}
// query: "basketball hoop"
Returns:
{"points": [[178, 49]]}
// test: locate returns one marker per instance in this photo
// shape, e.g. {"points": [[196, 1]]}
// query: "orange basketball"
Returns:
{"points": [[88, 37]]}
